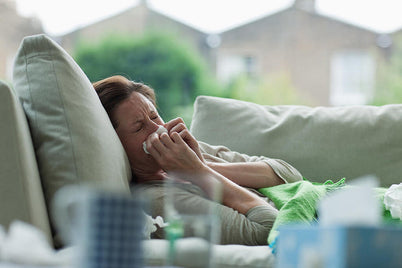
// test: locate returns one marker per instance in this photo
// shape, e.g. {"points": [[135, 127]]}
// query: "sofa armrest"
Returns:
{"points": [[21, 195]]}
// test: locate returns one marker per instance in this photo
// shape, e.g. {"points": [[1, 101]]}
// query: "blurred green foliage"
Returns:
{"points": [[171, 68], [176, 73], [389, 79], [274, 89]]}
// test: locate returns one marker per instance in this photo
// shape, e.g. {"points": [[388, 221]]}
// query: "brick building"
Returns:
{"points": [[136, 21], [328, 61]]}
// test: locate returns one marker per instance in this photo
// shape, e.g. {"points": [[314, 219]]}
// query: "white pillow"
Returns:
{"points": [[73, 138], [322, 143]]}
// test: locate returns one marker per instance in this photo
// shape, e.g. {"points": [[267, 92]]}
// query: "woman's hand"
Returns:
{"points": [[178, 125], [173, 154]]}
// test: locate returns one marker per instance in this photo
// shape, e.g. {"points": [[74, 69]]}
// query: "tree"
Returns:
{"points": [[389, 79], [171, 68]]}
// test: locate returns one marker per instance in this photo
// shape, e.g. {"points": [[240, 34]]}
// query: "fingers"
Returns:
{"points": [[175, 125], [186, 135], [166, 140], [172, 152], [159, 145], [177, 139], [178, 125]]}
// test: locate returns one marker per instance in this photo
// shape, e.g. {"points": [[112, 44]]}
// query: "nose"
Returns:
{"points": [[152, 126]]}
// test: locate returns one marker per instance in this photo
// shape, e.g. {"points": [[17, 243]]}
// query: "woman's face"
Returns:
{"points": [[137, 118]]}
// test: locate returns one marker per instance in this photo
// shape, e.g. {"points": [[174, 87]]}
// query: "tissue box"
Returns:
{"points": [[339, 246]]}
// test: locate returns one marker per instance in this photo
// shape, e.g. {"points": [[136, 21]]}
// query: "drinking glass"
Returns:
{"points": [[192, 235]]}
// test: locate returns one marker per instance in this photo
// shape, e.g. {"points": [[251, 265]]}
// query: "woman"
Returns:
{"points": [[246, 218]]}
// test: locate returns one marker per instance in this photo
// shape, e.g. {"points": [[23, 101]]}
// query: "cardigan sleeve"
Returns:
{"points": [[235, 228], [223, 154]]}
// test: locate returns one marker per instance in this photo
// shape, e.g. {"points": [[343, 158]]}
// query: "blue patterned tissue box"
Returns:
{"points": [[113, 232], [339, 246]]}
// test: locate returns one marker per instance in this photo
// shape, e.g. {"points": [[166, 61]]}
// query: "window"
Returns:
{"points": [[250, 65], [230, 66], [352, 78]]}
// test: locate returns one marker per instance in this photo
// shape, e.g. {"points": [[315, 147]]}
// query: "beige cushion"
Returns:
{"points": [[73, 138], [322, 142], [21, 195]]}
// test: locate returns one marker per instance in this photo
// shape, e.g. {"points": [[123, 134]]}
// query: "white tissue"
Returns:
{"points": [[393, 200], [25, 244], [355, 204], [159, 131], [150, 223]]}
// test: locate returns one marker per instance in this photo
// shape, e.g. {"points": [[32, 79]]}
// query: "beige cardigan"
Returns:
{"points": [[236, 228]]}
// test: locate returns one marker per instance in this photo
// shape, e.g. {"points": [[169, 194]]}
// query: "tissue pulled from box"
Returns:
{"points": [[393, 200], [355, 204]]}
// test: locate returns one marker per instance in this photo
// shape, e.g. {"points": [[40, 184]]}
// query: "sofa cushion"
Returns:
{"points": [[322, 142], [73, 137], [19, 176]]}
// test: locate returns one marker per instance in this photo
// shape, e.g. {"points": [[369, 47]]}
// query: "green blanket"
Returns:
{"points": [[297, 202]]}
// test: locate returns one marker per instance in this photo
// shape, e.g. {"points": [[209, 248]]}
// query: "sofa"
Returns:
{"points": [[55, 133], [321, 142]]}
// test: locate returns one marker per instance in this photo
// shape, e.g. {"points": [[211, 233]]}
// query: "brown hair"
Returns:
{"points": [[115, 89]]}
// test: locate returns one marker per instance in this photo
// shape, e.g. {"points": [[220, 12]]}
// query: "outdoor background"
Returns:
{"points": [[279, 52]]}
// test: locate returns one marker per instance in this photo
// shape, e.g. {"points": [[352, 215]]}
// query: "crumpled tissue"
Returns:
{"points": [[393, 200], [150, 225], [159, 131], [25, 244]]}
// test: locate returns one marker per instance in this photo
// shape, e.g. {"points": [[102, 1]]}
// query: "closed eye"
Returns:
{"points": [[154, 116], [137, 127]]}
